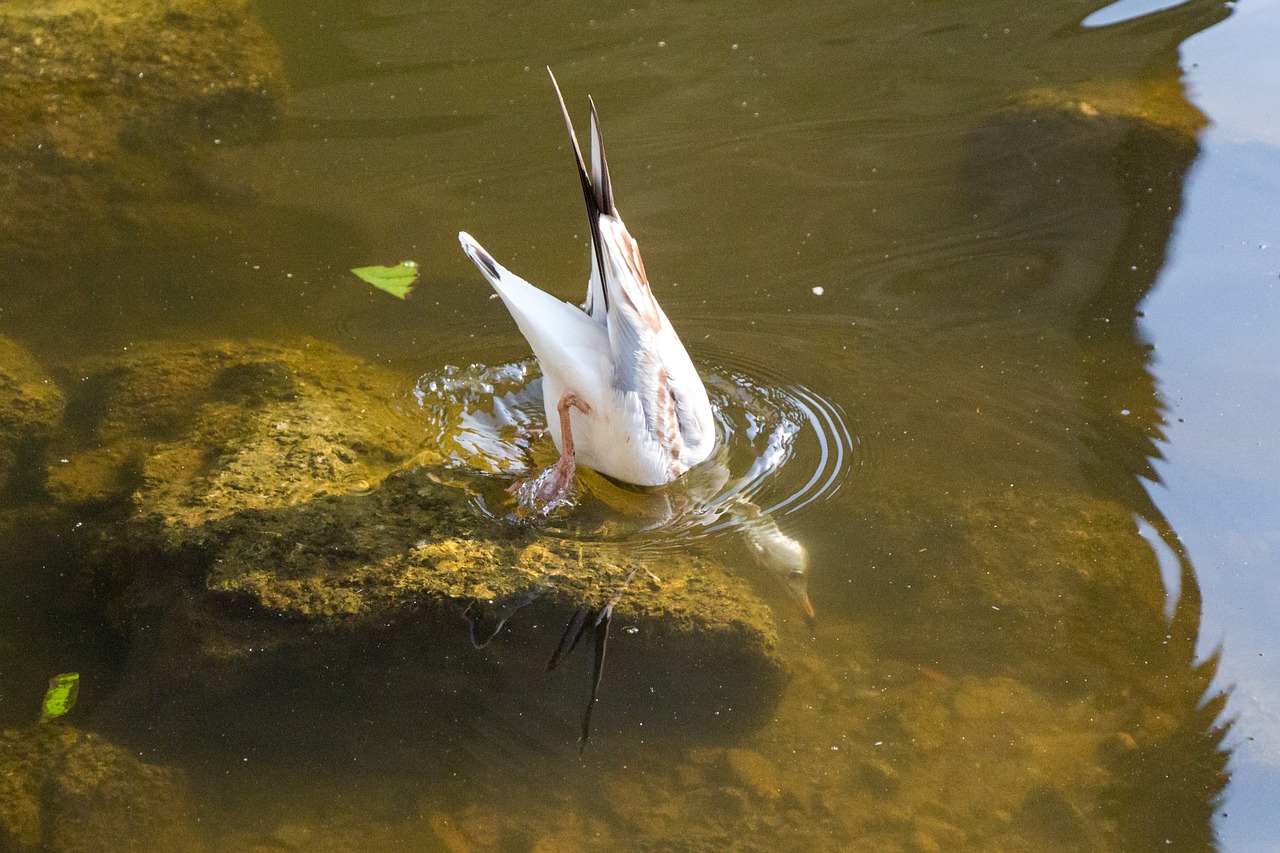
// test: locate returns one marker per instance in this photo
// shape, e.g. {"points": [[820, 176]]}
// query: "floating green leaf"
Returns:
{"points": [[61, 695], [397, 280]]}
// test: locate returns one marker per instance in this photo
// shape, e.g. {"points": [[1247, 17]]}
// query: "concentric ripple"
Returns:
{"points": [[780, 447]]}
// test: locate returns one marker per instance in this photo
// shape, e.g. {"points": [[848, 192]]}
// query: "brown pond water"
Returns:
{"points": [[1000, 248]]}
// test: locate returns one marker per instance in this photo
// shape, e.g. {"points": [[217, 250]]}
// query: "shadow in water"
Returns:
{"points": [[997, 534]]}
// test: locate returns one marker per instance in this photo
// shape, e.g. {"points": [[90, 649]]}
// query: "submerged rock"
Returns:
{"points": [[109, 103], [190, 435], [67, 791], [30, 414], [269, 514]]}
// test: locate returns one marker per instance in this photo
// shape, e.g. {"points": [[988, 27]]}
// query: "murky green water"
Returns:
{"points": [[940, 223]]}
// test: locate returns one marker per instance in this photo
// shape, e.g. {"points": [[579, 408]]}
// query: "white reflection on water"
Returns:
{"points": [[1127, 10], [1214, 317]]}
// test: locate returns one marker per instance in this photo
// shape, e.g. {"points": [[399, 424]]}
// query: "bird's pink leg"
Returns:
{"points": [[557, 482]]}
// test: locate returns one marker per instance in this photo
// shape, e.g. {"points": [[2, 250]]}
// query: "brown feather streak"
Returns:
{"points": [[666, 426], [630, 256]]}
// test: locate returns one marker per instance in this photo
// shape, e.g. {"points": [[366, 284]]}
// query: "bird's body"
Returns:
{"points": [[616, 378]]}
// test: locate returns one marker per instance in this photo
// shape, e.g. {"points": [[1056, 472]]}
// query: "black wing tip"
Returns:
{"points": [[594, 199], [479, 256], [602, 183]]}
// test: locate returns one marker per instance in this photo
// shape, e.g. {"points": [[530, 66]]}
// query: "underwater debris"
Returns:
{"points": [[61, 696]]}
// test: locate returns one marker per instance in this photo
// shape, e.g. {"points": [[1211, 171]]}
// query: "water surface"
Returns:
{"points": [[944, 222]]}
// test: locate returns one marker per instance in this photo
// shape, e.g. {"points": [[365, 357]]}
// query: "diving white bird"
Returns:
{"points": [[629, 402]]}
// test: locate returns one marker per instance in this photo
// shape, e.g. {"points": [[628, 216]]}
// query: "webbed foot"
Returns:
{"points": [[553, 487]]}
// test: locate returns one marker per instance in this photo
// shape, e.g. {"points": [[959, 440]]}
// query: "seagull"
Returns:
{"points": [[616, 377]]}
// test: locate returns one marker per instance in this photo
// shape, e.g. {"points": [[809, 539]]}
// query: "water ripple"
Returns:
{"points": [[781, 447]]}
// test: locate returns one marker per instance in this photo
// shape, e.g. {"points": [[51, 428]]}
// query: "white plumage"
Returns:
{"points": [[616, 377]]}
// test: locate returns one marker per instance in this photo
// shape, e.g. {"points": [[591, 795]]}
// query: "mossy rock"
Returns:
{"points": [[191, 434], [67, 791], [1159, 102], [30, 415], [268, 511], [108, 104]]}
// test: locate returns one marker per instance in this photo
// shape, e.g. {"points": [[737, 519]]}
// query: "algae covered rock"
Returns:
{"points": [[188, 435], [30, 413], [108, 103], [67, 791], [275, 514]]}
